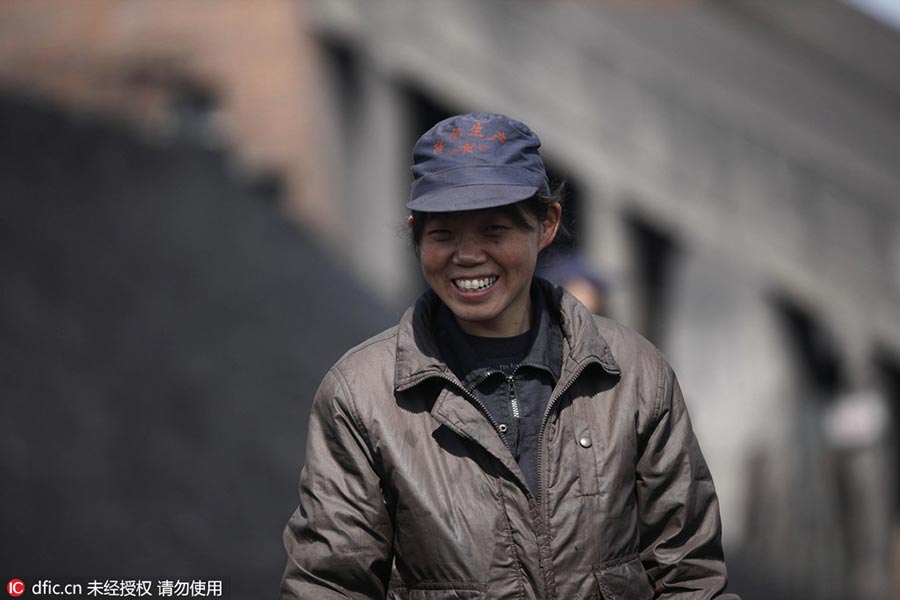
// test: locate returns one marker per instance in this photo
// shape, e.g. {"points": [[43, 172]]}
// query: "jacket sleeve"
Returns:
{"points": [[339, 540], [680, 529]]}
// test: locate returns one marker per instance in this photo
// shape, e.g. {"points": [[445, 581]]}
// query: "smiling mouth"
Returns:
{"points": [[475, 285]]}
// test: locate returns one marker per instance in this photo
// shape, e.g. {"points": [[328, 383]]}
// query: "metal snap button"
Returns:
{"points": [[585, 442], [502, 428]]}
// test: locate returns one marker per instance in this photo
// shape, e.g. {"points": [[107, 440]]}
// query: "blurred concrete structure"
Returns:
{"points": [[163, 323], [736, 174], [235, 74]]}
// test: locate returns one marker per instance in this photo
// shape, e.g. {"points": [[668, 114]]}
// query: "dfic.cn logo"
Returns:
{"points": [[15, 587]]}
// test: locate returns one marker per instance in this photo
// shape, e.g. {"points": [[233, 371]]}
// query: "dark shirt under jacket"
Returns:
{"points": [[512, 377]]}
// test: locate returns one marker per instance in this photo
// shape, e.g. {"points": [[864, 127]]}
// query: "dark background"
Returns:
{"points": [[162, 332]]}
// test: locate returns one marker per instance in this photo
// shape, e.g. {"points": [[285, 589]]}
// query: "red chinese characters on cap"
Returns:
{"points": [[477, 130]]}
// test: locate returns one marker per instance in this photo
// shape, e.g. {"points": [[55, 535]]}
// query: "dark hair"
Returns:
{"points": [[536, 206]]}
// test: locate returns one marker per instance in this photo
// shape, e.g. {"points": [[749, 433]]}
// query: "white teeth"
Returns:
{"points": [[475, 284]]}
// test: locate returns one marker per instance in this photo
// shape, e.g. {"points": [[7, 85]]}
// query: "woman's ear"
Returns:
{"points": [[409, 220], [550, 224]]}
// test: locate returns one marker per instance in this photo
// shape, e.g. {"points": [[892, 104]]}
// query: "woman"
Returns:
{"points": [[500, 442]]}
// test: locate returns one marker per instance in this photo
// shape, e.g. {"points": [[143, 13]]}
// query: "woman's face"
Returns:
{"points": [[480, 263]]}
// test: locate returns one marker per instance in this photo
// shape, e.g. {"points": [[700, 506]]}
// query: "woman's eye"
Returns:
{"points": [[496, 228], [439, 234]]}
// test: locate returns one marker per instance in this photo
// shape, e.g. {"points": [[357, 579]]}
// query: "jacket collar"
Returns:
{"points": [[419, 358]]}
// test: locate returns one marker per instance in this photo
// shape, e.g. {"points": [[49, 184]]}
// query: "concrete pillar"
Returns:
{"points": [[377, 147], [605, 243], [759, 425], [724, 347]]}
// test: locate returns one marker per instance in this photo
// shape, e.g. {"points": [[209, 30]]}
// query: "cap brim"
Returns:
{"points": [[471, 197]]}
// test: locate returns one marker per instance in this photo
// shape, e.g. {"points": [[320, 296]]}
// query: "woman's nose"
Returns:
{"points": [[468, 251]]}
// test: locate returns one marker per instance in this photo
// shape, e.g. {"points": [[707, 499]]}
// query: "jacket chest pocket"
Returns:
{"points": [[624, 579], [439, 591], [586, 442], [602, 439]]}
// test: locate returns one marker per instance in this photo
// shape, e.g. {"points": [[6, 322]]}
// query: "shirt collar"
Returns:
{"points": [[545, 348]]}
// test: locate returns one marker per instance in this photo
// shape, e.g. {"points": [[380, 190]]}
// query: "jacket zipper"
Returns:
{"points": [[550, 404], [510, 381], [513, 400], [478, 403], [515, 409]]}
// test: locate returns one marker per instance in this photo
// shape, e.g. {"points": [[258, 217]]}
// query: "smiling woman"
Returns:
{"points": [[501, 442], [480, 264]]}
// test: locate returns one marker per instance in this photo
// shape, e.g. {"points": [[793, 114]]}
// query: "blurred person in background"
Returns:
{"points": [[571, 272], [501, 441]]}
